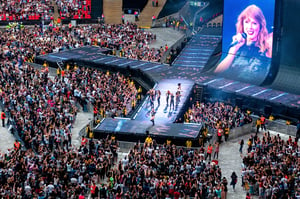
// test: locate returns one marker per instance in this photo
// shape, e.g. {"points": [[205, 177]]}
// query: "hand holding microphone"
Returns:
{"points": [[238, 41]]}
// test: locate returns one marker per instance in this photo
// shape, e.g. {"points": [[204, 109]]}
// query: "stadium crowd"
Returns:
{"points": [[73, 8], [216, 115], [56, 174], [165, 171], [41, 111], [126, 40], [15, 10], [271, 168]]}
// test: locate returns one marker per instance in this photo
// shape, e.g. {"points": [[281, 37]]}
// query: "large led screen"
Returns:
{"points": [[247, 40]]}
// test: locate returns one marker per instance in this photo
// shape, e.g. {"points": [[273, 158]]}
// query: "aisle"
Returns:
{"points": [[230, 160]]}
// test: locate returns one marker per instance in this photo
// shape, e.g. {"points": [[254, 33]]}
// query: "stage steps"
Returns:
{"points": [[197, 51], [112, 10], [198, 94], [145, 17]]}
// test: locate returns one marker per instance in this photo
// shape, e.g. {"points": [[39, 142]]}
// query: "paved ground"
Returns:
{"points": [[165, 36], [6, 139], [230, 160], [81, 121]]}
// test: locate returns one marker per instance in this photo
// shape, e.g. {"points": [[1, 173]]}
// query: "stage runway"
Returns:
{"points": [[135, 128], [164, 113]]}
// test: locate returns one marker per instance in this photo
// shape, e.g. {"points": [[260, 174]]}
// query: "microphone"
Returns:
{"points": [[244, 35]]}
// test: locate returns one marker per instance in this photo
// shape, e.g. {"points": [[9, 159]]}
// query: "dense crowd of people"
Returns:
{"points": [[56, 174], [71, 8], [216, 115], [271, 167], [126, 40], [165, 171], [41, 111], [15, 10]]}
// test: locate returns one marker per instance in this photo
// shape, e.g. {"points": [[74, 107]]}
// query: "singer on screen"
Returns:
{"points": [[251, 49]]}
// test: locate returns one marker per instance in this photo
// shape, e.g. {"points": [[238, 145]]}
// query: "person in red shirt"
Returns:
{"points": [[83, 141], [263, 123], [209, 151], [3, 117], [176, 194]]}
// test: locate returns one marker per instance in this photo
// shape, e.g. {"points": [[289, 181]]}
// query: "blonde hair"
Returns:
{"points": [[256, 13]]}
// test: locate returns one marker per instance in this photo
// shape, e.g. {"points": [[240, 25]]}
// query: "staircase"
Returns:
{"points": [[197, 51], [145, 17], [112, 10], [198, 93], [60, 64]]}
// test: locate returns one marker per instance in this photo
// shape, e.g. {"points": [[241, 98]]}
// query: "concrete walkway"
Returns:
{"points": [[82, 119], [230, 160], [6, 140]]}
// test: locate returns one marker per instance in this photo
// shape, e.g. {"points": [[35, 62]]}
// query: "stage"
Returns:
{"points": [[163, 112], [135, 128], [134, 131]]}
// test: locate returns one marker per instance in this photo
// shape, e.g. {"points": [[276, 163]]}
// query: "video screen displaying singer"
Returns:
{"points": [[247, 40]]}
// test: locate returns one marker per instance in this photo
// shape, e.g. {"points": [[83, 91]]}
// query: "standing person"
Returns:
{"points": [[167, 97], [217, 149], [250, 51], [248, 196], [172, 102], [148, 140], [241, 146], [219, 134], [17, 145], [3, 117], [249, 143], [177, 98], [93, 190], [158, 93], [233, 180], [152, 116], [258, 125], [226, 133], [209, 151], [263, 123]]}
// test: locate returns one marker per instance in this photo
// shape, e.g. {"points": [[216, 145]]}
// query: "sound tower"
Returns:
{"points": [[96, 8]]}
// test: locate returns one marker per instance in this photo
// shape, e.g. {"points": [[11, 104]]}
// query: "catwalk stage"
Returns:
{"points": [[135, 128]]}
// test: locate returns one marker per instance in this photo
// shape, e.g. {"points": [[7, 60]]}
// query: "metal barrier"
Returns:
{"points": [[276, 125]]}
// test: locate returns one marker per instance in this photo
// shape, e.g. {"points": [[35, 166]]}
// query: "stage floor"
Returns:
{"points": [[163, 113], [136, 127]]}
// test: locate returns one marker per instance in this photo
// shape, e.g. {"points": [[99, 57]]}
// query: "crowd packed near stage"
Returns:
{"points": [[217, 115], [271, 168], [165, 171]]}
